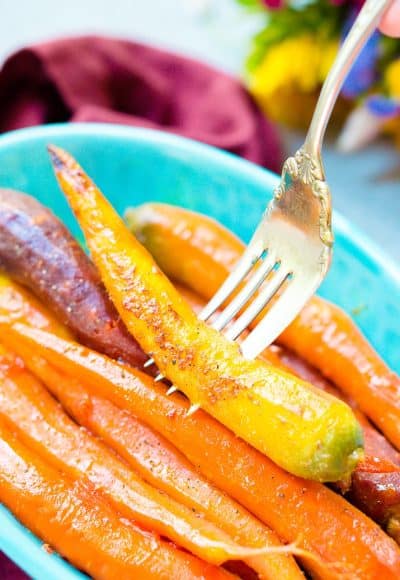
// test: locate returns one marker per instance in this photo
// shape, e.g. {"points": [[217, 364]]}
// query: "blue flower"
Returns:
{"points": [[363, 74], [383, 107]]}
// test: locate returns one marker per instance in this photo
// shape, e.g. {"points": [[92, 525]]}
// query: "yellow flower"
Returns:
{"points": [[392, 79], [299, 62], [291, 70]]}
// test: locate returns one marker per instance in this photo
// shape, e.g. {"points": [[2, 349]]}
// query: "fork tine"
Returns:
{"points": [[242, 268], [271, 288], [277, 318], [246, 293], [148, 363]]}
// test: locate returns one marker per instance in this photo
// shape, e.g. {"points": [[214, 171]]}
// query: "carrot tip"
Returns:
{"points": [[55, 156]]}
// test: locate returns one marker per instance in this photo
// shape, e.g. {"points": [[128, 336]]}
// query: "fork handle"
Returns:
{"points": [[365, 24]]}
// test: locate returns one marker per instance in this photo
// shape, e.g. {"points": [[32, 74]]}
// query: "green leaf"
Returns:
{"points": [[319, 18], [252, 4]]}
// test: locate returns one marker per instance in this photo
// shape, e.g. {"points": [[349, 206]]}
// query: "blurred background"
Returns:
{"points": [[365, 182]]}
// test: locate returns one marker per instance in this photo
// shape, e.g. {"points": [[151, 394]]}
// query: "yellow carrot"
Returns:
{"points": [[307, 432], [323, 334]]}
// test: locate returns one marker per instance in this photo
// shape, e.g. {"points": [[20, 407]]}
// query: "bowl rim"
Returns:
{"points": [[14, 535], [182, 144]]}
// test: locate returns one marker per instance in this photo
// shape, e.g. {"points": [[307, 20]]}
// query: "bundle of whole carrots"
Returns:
{"points": [[130, 480]]}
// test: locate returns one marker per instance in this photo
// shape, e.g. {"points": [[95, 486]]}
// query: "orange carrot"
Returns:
{"points": [[297, 509], [322, 334], [325, 336], [48, 430], [375, 483], [158, 462], [255, 400], [75, 520], [200, 242], [17, 303]]}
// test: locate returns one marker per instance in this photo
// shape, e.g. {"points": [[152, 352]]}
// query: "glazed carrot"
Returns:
{"points": [[75, 520], [375, 443], [331, 341], [162, 465], [197, 303], [38, 250], [297, 509], [16, 303], [375, 483], [49, 431], [323, 334], [200, 242], [257, 401], [158, 462]]}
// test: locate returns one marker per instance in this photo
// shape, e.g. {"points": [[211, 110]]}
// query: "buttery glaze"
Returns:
{"points": [[304, 430], [375, 482], [74, 519], [298, 510], [322, 334], [37, 250], [149, 454]]}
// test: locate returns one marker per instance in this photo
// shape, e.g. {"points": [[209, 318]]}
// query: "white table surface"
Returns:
{"points": [[365, 185]]}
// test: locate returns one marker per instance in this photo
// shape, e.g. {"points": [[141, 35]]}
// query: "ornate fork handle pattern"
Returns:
{"points": [[305, 168]]}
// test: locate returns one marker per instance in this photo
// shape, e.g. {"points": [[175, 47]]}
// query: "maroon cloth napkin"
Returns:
{"points": [[9, 571], [116, 81]]}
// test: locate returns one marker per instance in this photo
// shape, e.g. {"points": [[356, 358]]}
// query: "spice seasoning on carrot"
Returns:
{"points": [[254, 399], [75, 520], [161, 464], [375, 483], [323, 334], [48, 430], [295, 508], [38, 250], [157, 460]]}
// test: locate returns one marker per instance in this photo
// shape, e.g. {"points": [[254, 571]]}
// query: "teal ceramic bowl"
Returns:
{"points": [[132, 166]]}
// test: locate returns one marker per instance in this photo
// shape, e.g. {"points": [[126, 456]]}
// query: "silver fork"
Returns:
{"points": [[292, 246]]}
